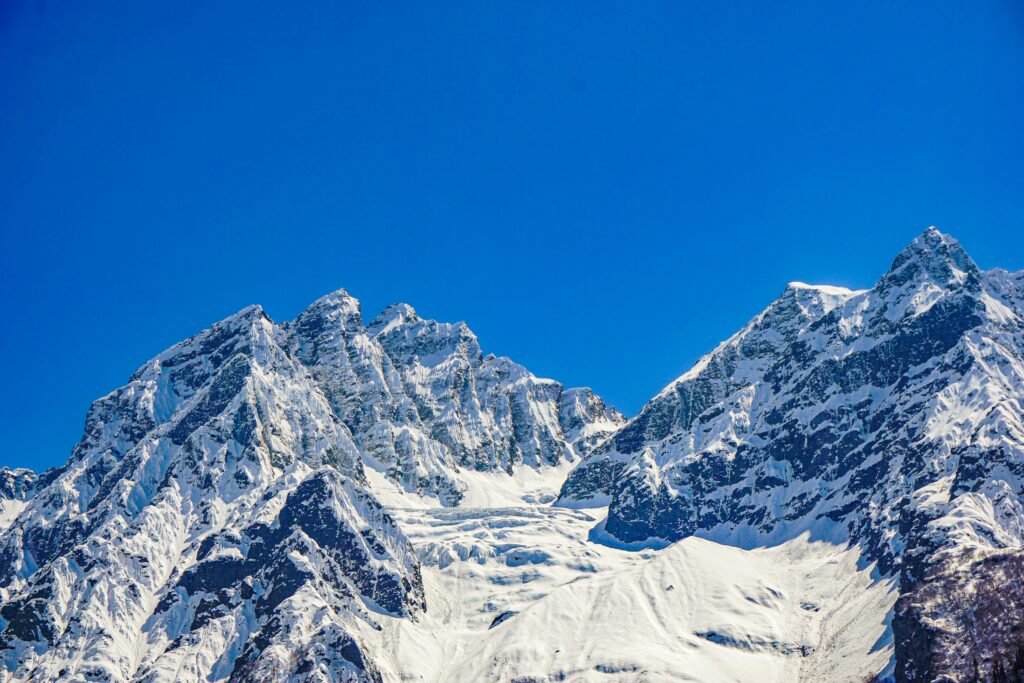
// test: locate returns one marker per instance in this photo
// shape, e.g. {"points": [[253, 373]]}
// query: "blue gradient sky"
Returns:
{"points": [[602, 190]]}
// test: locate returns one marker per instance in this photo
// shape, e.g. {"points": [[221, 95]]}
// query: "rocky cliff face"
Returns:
{"points": [[890, 418], [424, 402], [16, 484], [16, 487]]}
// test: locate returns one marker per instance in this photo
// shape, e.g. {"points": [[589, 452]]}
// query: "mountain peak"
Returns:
{"points": [[391, 317], [932, 256], [338, 296], [248, 314], [338, 300], [336, 308]]}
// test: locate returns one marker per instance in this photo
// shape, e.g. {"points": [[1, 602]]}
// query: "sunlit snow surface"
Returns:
{"points": [[9, 511], [521, 592]]}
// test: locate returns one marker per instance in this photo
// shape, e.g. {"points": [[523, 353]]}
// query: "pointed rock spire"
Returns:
{"points": [[933, 257], [337, 308], [391, 317]]}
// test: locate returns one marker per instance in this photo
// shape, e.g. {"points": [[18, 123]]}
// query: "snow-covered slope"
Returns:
{"points": [[889, 418], [529, 593], [701, 611]]}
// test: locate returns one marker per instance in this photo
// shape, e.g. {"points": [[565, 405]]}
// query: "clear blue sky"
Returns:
{"points": [[602, 190]]}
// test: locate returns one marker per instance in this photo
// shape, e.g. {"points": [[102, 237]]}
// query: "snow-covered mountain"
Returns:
{"points": [[889, 418], [832, 494], [425, 404], [215, 521]]}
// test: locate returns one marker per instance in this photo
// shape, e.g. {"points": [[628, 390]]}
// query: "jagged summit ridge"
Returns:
{"points": [[392, 316], [933, 257], [178, 542], [424, 403], [889, 418], [216, 521], [842, 347]]}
